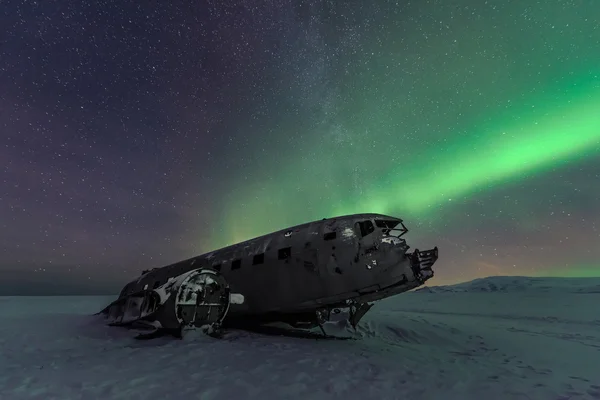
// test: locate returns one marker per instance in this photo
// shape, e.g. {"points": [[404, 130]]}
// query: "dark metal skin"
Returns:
{"points": [[299, 275]]}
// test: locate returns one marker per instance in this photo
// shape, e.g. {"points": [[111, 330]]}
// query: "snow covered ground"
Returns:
{"points": [[495, 338]]}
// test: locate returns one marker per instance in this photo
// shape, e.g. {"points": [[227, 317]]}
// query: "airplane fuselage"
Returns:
{"points": [[320, 264]]}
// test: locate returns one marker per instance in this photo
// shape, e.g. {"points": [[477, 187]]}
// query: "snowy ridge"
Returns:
{"points": [[495, 344], [513, 284]]}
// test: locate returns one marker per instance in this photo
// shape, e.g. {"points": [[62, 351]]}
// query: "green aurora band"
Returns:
{"points": [[510, 149], [508, 152], [467, 120]]}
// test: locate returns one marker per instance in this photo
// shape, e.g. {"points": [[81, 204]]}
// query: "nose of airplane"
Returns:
{"points": [[394, 262], [422, 261]]}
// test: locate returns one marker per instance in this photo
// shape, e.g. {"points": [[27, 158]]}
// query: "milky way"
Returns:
{"points": [[137, 135]]}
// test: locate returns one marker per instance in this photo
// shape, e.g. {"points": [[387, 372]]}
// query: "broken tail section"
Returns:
{"points": [[199, 298]]}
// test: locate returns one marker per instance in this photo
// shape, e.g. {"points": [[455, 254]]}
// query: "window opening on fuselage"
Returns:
{"points": [[371, 249], [329, 236], [236, 264], [258, 259], [284, 253], [366, 227]]}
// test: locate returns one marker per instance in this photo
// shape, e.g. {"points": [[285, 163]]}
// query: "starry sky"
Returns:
{"points": [[135, 134]]}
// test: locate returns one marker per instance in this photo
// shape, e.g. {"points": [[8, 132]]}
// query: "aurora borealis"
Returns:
{"points": [[134, 136]]}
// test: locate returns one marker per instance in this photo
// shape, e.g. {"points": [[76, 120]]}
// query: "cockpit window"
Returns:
{"points": [[392, 227], [366, 227], [383, 223]]}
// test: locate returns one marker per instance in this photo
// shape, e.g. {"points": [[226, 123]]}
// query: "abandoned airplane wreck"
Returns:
{"points": [[299, 276]]}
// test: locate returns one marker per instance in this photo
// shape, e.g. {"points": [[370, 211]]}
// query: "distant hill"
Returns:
{"points": [[513, 284]]}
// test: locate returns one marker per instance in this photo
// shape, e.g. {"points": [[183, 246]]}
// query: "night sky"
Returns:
{"points": [[136, 134]]}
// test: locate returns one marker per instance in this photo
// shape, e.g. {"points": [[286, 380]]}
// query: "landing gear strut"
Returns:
{"points": [[357, 311], [323, 316]]}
